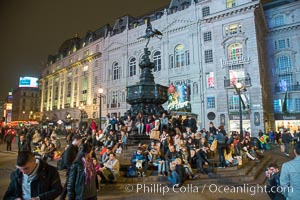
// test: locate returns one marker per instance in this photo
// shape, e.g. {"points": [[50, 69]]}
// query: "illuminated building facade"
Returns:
{"points": [[207, 47], [283, 53]]}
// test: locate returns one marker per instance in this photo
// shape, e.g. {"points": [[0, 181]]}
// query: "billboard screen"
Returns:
{"points": [[179, 97], [28, 82]]}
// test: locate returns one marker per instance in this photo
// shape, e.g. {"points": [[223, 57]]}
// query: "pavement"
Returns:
{"points": [[145, 190]]}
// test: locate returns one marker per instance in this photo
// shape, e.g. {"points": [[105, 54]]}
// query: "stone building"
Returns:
{"points": [[283, 40], [207, 48]]}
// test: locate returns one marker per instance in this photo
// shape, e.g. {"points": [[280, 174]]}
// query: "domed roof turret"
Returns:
{"points": [[69, 45]]}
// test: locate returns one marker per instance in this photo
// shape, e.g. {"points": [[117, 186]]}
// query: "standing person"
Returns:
{"points": [[8, 139], [290, 176], [164, 122], [221, 139], [34, 179], [286, 139], [273, 176], [94, 126], [212, 128], [295, 138], [69, 157], [82, 180], [24, 144]]}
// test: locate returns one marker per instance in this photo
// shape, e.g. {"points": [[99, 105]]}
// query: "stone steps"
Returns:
{"points": [[231, 175]]}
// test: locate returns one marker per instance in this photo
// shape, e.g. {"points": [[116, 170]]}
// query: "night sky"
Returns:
{"points": [[33, 29]]}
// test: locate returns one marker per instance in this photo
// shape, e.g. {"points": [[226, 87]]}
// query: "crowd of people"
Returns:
{"points": [[90, 155]]}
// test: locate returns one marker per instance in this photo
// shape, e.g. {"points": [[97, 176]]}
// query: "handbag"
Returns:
{"points": [[214, 145]]}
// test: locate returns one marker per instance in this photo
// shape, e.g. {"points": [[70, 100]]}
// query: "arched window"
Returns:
{"points": [[132, 67], [179, 56], [116, 71], [157, 61], [235, 51]]}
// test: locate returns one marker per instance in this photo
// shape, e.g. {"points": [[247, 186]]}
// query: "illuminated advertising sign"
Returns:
{"points": [[28, 82], [179, 97]]}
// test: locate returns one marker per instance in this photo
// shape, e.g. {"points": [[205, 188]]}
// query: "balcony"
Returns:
{"points": [[240, 61], [287, 88], [229, 82]]}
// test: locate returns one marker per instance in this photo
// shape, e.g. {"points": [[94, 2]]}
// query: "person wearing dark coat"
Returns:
{"points": [[82, 180], [34, 179], [23, 144], [69, 157], [8, 139], [177, 176]]}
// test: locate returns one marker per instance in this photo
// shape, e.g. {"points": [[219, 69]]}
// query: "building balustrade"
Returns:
{"points": [[229, 82], [287, 88]]}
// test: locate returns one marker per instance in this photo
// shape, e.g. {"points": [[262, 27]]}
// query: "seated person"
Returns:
{"points": [[185, 161], [190, 144], [202, 159], [170, 156], [50, 152], [249, 150], [138, 155], [112, 165], [177, 177], [105, 157], [230, 157], [154, 157]]}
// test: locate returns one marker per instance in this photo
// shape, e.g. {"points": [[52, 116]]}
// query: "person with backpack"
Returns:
{"points": [[68, 157]]}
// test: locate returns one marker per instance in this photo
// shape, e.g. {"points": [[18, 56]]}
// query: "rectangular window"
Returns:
{"points": [[233, 28], [230, 3], [207, 36], [297, 102], [187, 57], [281, 44], [233, 103], [208, 56], [210, 80], [96, 80], [171, 61], [211, 102], [278, 20], [205, 11], [290, 105], [85, 68]]}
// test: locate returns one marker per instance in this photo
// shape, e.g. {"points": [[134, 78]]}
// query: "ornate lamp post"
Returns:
{"points": [[238, 87], [100, 95], [81, 108]]}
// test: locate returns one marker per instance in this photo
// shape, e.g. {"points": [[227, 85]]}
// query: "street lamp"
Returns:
{"points": [[100, 92], [238, 87], [23, 115], [81, 108], [30, 116]]}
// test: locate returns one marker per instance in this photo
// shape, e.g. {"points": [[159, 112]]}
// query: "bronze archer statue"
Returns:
{"points": [[150, 33]]}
